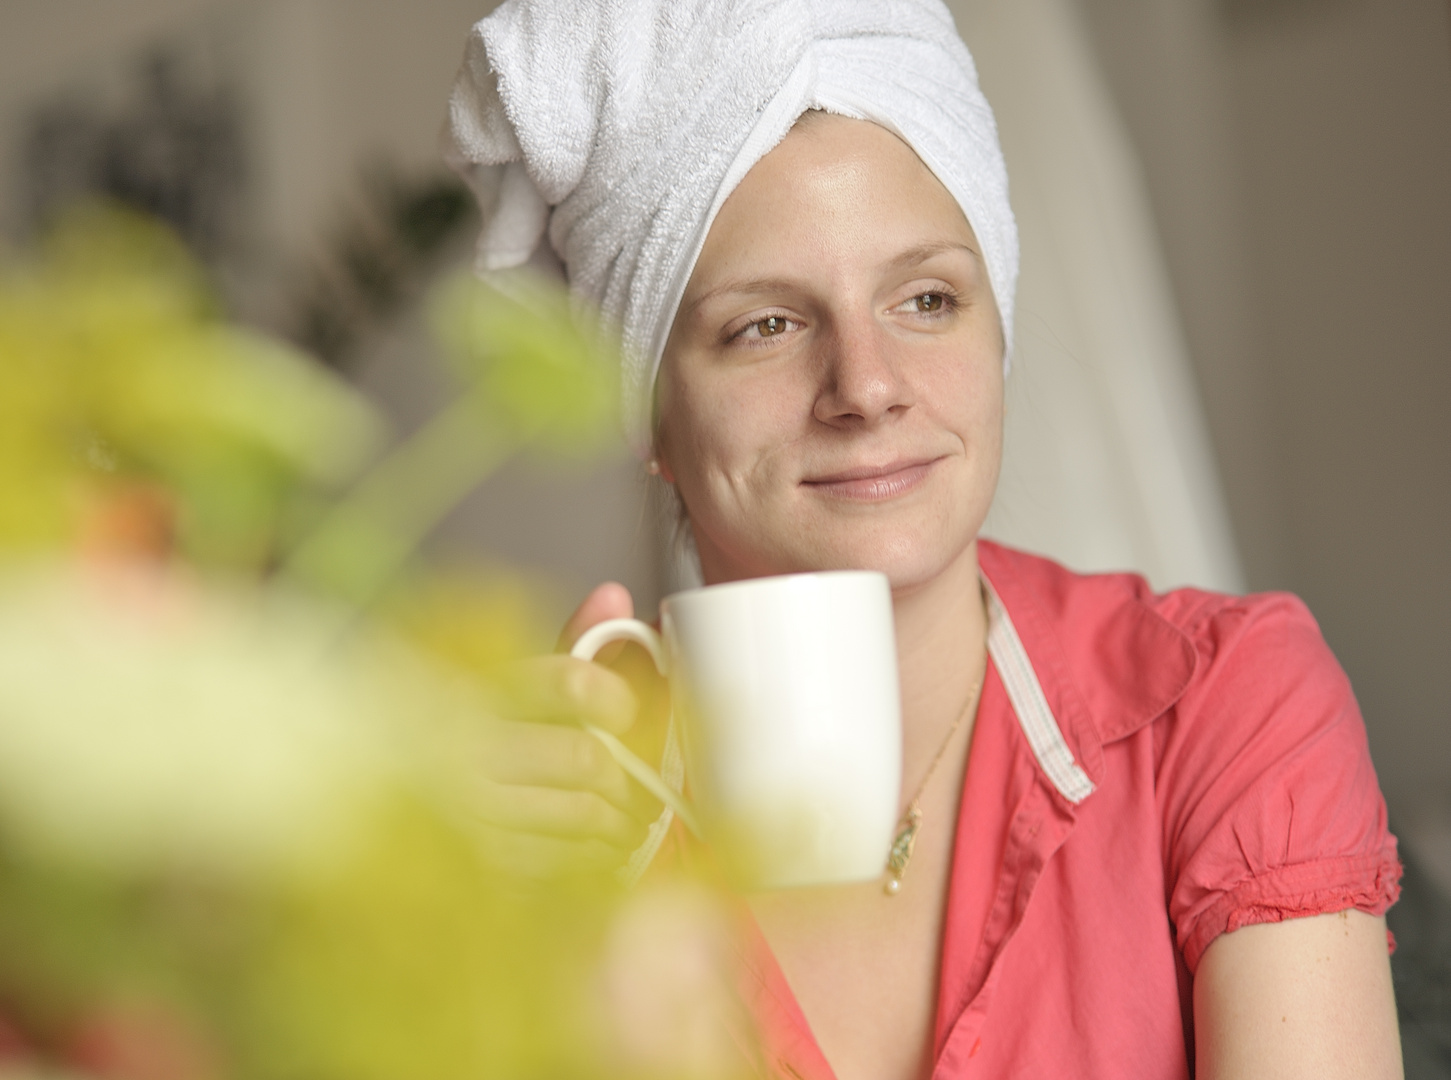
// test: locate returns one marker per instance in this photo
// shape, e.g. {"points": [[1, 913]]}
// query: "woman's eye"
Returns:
{"points": [[928, 303], [770, 326]]}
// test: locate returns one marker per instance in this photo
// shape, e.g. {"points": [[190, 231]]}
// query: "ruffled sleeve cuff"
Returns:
{"points": [[1369, 883]]}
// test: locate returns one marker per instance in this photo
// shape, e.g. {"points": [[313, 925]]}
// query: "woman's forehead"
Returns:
{"points": [[834, 187], [830, 153]]}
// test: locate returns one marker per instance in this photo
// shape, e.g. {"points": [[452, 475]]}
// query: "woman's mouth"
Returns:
{"points": [[873, 483]]}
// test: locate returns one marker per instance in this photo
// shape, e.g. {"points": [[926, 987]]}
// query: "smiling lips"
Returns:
{"points": [[873, 483]]}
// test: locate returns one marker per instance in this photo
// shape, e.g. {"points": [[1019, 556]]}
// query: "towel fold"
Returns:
{"points": [[617, 128]]}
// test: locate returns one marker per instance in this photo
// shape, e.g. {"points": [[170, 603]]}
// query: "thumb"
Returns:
{"points": [[608, 601]]}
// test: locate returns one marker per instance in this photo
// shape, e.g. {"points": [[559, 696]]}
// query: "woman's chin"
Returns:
{"points": [[911, 555], [908, 563], [908, 574]]}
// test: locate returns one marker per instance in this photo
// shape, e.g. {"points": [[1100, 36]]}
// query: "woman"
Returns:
{"points": [[1169, 848]]}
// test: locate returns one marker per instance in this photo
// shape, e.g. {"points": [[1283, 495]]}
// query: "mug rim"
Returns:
{"points": [[771, 581]]}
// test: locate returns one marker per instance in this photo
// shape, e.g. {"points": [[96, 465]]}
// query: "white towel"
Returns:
{"points": [[617, 128]]}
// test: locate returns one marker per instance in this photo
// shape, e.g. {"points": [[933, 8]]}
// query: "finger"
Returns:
{"points": [[569, 815], [563, 690], [538, 755], [608, 601], [531, 855]]}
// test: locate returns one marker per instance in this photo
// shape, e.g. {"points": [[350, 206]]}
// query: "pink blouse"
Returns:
{"points": [[1147, 772]]}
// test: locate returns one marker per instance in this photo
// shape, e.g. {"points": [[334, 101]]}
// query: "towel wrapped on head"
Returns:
{"points": [[617, 128]]}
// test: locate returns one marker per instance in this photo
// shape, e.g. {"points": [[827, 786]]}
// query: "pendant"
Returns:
{"points": [[901, 853]]}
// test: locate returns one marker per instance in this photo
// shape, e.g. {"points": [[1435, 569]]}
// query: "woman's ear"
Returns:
{"points": [[659, 463], [658, 466]]}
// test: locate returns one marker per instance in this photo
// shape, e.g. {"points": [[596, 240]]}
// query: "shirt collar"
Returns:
{"points": [[1106, 661]]}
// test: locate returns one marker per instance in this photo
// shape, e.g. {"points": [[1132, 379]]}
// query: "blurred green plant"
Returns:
{"points": [[239, 714], [537, 376], [118, 376]]}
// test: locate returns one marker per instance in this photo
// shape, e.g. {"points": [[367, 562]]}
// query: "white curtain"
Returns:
{"points": [[1107, 462]]}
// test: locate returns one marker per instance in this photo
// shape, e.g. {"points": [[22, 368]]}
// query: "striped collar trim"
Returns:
{"points": [[1031, 706]]}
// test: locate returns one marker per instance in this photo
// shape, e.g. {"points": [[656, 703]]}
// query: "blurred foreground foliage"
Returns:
{"points": [[238, 714], [116, 369]]}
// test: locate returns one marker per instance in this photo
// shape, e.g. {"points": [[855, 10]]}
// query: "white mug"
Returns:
{"points": [[787, 696]]}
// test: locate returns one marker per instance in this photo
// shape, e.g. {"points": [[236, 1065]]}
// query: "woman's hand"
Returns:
{"points": [[553, 798]]}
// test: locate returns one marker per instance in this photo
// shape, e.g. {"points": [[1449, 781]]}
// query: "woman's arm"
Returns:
{"points": [[1305, 997]]}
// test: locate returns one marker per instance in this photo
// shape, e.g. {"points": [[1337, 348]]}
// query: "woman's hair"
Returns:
{"points": [[615, 129]]}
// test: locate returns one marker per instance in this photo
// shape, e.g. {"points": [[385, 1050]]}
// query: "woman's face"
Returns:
{"points": [[831, 394]]}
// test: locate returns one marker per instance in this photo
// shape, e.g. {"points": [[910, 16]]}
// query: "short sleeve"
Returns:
{"points": [[1270, 804]]}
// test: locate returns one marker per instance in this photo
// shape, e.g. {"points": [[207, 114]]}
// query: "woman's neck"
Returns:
{"points": [[941, 654]]}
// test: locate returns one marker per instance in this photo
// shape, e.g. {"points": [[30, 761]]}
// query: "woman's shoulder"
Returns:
{"points": [[1092, 605], [1131, 655], [1258, 770]]}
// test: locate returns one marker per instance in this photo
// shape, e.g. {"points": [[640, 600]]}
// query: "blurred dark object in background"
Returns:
{"points": [[174, 150], [174, 146], [1421, 967], [379, 260]]}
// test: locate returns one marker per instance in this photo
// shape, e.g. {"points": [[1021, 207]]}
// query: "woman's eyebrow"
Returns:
{"points": [[741, 286], [920, 253]]}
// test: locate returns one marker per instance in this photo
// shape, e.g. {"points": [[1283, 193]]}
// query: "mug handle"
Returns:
{"points": [[591, 642]]}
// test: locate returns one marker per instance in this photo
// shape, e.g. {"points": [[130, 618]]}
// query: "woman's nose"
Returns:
{"points": [[862, 381]]}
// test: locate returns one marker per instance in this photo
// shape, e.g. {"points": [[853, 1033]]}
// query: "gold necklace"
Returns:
{"points": [[911, 820]]}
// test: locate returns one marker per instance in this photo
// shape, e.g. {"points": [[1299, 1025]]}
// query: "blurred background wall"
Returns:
{"points": [[1280, 169], [1298, 158]]}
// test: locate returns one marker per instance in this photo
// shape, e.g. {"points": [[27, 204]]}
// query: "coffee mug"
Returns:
{"points": [[786, 692]]}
